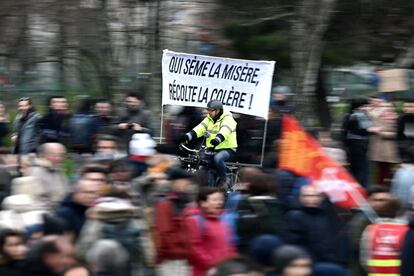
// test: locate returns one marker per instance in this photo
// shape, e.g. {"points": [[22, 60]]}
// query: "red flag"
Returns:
{"points": [[301, 154]]}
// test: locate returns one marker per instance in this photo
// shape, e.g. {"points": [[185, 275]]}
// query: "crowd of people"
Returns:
{"points": [[92, 193]]}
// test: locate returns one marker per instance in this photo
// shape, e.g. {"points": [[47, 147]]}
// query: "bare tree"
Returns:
{"points": [[308, 28]]}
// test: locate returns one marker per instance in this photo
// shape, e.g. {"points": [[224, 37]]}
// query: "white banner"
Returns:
{"points": [[243, 86]]}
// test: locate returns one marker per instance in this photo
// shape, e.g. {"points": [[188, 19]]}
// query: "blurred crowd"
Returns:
{"points": [[92, 193]]}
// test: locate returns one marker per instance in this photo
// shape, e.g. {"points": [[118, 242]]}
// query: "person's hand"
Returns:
{"points": [[215, 141], [123, 125], [13, 139], [184, 139], [374, 129], [136, 127]]}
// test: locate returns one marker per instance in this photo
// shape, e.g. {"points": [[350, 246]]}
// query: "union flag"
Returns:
{"points": [[301, 153]]}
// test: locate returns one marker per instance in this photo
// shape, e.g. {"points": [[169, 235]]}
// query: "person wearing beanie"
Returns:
{"points": [[262, 248], [290, 260], [141, 146]]}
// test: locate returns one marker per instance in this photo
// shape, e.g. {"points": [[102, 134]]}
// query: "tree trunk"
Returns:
{"points": [[406, 60], [308, 29]]}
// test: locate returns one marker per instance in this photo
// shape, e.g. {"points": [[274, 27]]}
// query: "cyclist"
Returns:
{"points": [[219, 128]]}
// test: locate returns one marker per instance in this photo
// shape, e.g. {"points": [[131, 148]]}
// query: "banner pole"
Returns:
{"points": [[263, 144], [364, 205], [162, 124]]}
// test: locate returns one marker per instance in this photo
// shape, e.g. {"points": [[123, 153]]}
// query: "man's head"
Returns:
{"points": [[107, 256], [378, 196], [106, 144], [24, 105], [279, 93], [133, 100], [58, 104], [214, 108], [103, 108], [310, 197], [87, 190], [53, 152], [95, 173]]}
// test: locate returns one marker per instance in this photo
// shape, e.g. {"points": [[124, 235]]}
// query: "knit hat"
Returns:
{"points": [[142, 144], [286, 254], [262, 247]]}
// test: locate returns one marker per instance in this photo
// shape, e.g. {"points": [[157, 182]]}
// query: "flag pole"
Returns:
{"points": [[364, 205], [162, 123], [263, 144]]}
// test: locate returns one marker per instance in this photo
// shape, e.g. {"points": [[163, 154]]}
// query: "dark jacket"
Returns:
{"points": [[4, 129], [54, 127], [405, 137], [73, 213], [140, 116], [407, 251], [14, 268], [315, 230]]}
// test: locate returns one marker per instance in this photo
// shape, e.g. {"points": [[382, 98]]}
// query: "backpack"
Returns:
{"points": [[128, 234], [256, 216], [82, 128]]}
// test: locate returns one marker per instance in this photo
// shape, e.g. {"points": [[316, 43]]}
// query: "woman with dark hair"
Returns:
{"points": [[356, 128], [210, 237], [12, 252]]}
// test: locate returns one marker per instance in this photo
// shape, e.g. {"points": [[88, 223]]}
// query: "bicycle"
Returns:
{"points": [[202, 159]]}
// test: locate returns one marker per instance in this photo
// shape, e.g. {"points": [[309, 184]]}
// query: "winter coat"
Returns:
{"points": [[225, 125], [52, 184], [171, 230], [73, 213], [210, 240], [314, 229], [28, 133], [140, 116], [382, 145], [117, 219]]}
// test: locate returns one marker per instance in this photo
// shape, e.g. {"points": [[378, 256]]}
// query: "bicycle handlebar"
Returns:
{"points": [[207, 151]]}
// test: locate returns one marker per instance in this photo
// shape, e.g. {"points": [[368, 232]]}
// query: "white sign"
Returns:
{"points": [[243, 86]]}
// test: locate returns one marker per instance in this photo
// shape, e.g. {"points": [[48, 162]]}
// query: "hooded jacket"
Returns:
{"points": [[210, 240]]}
